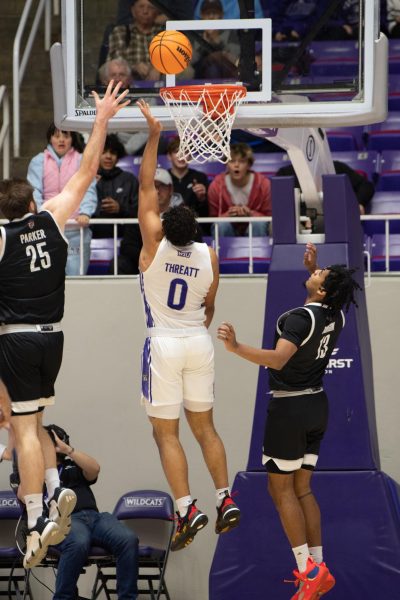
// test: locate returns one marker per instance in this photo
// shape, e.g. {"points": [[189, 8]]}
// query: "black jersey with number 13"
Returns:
{"points": [[32, 270], [315, 335]]}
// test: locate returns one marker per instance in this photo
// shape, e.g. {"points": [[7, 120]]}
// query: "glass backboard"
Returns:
{"points": [[293, 76]]}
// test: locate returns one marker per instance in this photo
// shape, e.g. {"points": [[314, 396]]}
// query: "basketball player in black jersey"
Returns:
{"points": [[298, 412], [33, 254]]}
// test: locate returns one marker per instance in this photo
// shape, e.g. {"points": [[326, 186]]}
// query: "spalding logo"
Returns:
{"points": [[150, 502]]}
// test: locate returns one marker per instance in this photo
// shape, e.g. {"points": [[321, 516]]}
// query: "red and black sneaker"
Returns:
{"points": [[228, 515], [188, 526], [312, 583]]}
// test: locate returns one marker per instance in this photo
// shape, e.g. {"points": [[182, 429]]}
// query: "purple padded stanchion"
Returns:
{"points": [[361, 537]]}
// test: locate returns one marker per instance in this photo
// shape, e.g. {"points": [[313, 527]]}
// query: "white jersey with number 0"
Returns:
{"points": [[175, 284]]}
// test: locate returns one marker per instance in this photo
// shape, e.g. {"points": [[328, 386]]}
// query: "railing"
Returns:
{"points": [[19, 67], [5, 131]]}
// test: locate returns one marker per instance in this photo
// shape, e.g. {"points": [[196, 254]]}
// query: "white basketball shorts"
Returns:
{"points": [[176, 371]]}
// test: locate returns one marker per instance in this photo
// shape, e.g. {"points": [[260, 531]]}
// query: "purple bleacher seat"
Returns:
{"points": [[340, 67], [378, 252], [384, 140], [101, 253], [389, 181], [394, 83], [334, 50], [389, 160], [130, 163], [10, 508], [394, 65], [391, 122], [394, 47], [394, 101], [340, 141], [383, 203], [269, 162], [234, 254], [163, 161], [144, 504], [209, 168], [362, 162]]}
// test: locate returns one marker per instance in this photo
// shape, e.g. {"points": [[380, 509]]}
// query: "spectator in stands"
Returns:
{"points": [[240, 192], [132, 41], [393, 18], [89, 526], [131, 243], [363, 189], [177, 10], [292, 19], [117, 190], [345, 22], [218, 57], [117, 69], [231, 9], [192, 185], [48, 172]]}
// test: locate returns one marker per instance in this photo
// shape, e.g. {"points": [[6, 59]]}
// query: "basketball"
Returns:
{"points": [[170, 52]]}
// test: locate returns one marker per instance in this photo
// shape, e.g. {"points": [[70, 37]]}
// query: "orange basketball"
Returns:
{"points": [[170, 52]]}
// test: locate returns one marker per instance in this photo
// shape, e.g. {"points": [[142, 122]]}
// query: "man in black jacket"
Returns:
{"points": [[117, 190]]}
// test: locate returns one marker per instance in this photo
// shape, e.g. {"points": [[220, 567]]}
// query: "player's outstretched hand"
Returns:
{"points": [[227, 334], [310, 258], [153, 123], [108, 106]]}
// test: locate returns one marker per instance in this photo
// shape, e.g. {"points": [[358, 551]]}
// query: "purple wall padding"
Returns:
{"points": [[351, 440], [361, 533]]}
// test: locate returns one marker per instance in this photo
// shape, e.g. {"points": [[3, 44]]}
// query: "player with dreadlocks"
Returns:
{"points": [[298, 411]]}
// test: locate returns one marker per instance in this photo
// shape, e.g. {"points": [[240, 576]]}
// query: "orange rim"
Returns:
{"points": [[194, 92]]}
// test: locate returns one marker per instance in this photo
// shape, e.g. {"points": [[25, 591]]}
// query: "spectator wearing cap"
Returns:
{"points": [[131, 243], [117, 190], [191, 184], [240, 192]]}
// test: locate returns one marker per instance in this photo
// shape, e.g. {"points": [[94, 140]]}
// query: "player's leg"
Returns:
{"points": [[198, 393], [309, 507], [41, 531]]}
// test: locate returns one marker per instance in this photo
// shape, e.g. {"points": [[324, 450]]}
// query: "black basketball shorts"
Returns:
{"points": [[29, 365], [294, 430]]}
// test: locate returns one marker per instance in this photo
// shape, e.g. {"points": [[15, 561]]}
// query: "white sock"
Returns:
{"points": [[316, 554], [221, 495], [301, 554], [183, 504], [52, 479], [34, 508]]}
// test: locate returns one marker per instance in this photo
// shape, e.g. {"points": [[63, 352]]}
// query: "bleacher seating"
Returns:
{"points": [[383, 203], [365, 163], [234, 254], [378, 252], [101, 253]]}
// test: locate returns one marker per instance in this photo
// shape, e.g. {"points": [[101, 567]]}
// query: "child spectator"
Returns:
{"points": [[240, 192], [48, 172]]}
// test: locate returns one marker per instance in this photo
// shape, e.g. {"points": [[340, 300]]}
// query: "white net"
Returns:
{"points": [[204, 116]]}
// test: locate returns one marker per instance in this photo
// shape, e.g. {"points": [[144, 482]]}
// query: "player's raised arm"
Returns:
{"points": [[64, 204], [149, 212]]}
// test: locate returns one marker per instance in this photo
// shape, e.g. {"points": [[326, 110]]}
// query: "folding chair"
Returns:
{"points": [[150, 514], [10, 557]]}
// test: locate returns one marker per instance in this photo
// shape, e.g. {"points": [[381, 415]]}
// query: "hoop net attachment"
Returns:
{"points": [[204, 115]]}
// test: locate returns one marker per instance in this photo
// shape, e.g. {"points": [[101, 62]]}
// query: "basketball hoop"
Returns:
{"points": [[204, 115]]}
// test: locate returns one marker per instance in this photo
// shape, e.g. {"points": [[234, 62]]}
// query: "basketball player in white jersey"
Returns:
{"points": [[33, 253], [179, 281]]}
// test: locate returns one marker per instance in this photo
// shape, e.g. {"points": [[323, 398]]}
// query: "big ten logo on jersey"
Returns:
{"points": [[150, 502], [338, 363], [39, 257]]}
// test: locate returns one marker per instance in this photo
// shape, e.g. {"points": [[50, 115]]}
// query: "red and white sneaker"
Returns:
{"points": [[228, 515], [188, 526], [313, 582]]}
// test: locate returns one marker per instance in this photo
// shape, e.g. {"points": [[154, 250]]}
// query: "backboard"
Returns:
{"points": [[298, 82]]}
